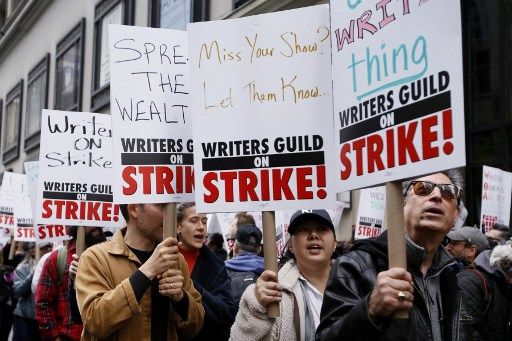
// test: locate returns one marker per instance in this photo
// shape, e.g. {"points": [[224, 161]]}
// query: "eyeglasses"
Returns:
{"points": [[449, 191]]}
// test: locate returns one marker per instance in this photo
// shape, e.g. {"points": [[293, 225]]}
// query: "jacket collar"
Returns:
{"points": [[118, 246], [416, 255], [289, 275]]}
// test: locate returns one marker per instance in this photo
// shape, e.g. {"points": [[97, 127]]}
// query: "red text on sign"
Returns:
{"points": [[158, 179], [299, 183], [80, 210], [399, 146]]}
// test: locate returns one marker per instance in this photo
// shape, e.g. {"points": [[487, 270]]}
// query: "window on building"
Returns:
{"points": [[37, 100], [69, 70], [176, 14], [239, 3], [487, 41], [12, 123], [106, 12]]}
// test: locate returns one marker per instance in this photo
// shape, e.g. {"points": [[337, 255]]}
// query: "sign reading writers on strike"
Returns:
{"points": [[371, 212], [263, 111], [14, 190], [75, 170], [149, 91], [398, 89], [496, 192]]}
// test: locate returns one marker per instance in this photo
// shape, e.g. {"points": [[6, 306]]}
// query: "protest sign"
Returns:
{"points": [[398, 90], [371, 212], [75, 170], [14, 190], [496, 192], [24, 230], [149, 86], [32, 173], [262, 119], [461, 219], [43, 233]]}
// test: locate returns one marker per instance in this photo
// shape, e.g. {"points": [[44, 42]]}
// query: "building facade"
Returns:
{"points": [[54, 54]]}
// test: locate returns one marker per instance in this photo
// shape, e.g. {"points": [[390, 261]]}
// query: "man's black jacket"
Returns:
{"points": [[345, 315]]}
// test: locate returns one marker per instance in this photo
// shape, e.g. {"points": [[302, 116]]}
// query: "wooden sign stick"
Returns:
{"points": [[396, 231], [80, 240], [270, 253], [38, 253], [12, 250], [170, 220]]}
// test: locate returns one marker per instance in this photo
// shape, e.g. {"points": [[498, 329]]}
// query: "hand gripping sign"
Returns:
{"points": [[75, 170]]}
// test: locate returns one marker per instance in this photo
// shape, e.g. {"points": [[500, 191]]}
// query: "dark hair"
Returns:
{"points": [[248, 248], [180, 210], [455, 176], [244, 218], [216, 240], [124, 211], [504, 229], [72, 231]]}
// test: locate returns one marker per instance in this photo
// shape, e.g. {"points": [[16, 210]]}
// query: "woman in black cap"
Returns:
{"points": [[298, 287]]}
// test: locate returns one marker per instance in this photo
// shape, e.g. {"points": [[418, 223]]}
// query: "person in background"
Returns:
{"points": [[24, 322], [487, 290], [465, 244], [207, 272], [499, 234], [8, 300], [56, 307], [245, 266], [298, 286], [241, 218], [45, 253], [363, 293], [216, 244]]}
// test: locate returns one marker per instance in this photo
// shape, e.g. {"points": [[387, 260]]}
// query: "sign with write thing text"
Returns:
{"points": [[398, 89], [149, 92], [262, 114], [496, 197], [75, 170]]}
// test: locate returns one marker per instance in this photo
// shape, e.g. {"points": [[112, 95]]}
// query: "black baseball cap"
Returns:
{"points": [[249, 235], [319, 215]]}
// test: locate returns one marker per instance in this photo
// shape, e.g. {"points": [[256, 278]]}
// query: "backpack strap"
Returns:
{"points": [[484, 281], [62, 255]]}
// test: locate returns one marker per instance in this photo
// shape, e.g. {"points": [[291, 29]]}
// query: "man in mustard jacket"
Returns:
{"points": [[118, 290]]}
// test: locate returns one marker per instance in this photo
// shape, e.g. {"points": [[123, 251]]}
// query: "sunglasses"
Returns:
{"points": [[423, 188]]}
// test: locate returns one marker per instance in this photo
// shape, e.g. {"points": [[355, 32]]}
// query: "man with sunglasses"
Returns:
{"points": [[362, 294]]}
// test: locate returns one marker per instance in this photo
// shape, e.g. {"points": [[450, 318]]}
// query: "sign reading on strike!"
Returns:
{"points": [[262, 111], [13, 191], [398, 89], [496, 193], [75, 170], [43, 233], [149, 91]]}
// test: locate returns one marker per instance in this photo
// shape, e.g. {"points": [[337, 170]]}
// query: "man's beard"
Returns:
{"points": [[91, 240]]}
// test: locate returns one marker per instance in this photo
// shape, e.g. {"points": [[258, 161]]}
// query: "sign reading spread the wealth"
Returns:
{"points": [[13, 191], [149, 92], [75, 170], [398, 89], [496, 193], [262, 114], [371, 212]]}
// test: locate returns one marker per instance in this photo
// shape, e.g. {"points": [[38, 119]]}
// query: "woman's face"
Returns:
{"points": [[313, 243], [192, 229]]}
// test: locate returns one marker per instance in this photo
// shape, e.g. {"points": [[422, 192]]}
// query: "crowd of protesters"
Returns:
{"points": [[139, 286]]}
